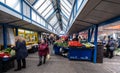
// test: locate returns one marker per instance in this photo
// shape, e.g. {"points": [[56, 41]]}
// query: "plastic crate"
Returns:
{"points": [[57, 50]]}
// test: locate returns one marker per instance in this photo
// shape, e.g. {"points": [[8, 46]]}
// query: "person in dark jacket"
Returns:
{"points": [[43, 51], [21, 53], [74, 37]]}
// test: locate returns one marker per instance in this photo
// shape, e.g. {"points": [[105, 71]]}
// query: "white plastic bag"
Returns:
{"points": [[48, 56]]}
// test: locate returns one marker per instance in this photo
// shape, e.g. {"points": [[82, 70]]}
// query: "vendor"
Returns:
{"points": [[74, 37], [79, 37]]}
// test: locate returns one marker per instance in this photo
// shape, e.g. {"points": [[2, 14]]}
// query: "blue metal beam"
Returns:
{"points": [[112, 20], [95, 43], [5, 36], [21, 4], [16, 29], [9, 8], [70, 15]]}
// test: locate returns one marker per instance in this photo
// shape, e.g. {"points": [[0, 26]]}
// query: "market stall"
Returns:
{"points": [[31, 39], [74, 50], [80, 51], [7, 58]]}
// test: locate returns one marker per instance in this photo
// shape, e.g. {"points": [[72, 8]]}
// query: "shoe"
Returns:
{"points": [[44, 62], [17, 69], [39, 64], [23, 66]]}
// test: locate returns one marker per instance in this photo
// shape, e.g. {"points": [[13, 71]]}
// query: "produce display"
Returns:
{"points": [[7, 53], [74, 44], [61, 43], [88, 45]]}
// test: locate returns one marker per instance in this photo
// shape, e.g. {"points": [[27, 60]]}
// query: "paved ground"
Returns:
{"points": [[59, 64]]}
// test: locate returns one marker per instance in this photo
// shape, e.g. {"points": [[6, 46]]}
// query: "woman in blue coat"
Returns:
{"points": [[21, 53]]}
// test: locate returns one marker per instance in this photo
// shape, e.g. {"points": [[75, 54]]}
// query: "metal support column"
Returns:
{"points": [[16, 29], [21, 8], [95, 43], [5, 36], [89, 35]]}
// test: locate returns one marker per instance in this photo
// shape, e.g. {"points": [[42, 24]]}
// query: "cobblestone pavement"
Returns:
{"points": [[58, 64]]}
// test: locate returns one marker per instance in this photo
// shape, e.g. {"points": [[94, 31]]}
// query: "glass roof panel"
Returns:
{"points": [[80, 1], [44, 6], [56, 25], [67, 3], [49, 13], [63, 20], [49, 27], [47, 10], [53, 20], [64, 16], [38, 3], [65, 11], [63, 2]]}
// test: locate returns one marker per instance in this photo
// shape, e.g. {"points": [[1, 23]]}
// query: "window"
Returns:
{"points": [[26, 10], [3, 1], [34, 16], [15, 4]]}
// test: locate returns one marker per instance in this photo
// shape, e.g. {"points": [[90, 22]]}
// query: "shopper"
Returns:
{"points": [[43, 51], [112, 47], [21, 53], [104, 41], [108, 47]]}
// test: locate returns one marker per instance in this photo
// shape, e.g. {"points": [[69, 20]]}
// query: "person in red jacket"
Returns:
{"points": [[43, 51]]}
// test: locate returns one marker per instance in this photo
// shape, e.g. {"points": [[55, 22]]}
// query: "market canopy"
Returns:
{"points": [[96, 12]]}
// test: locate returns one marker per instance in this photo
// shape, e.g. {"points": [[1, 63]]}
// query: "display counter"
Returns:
{"points": [[6, 64], [76, 53]]}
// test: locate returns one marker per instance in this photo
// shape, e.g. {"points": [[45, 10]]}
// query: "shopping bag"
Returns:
{"points": [[48, 56]]}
